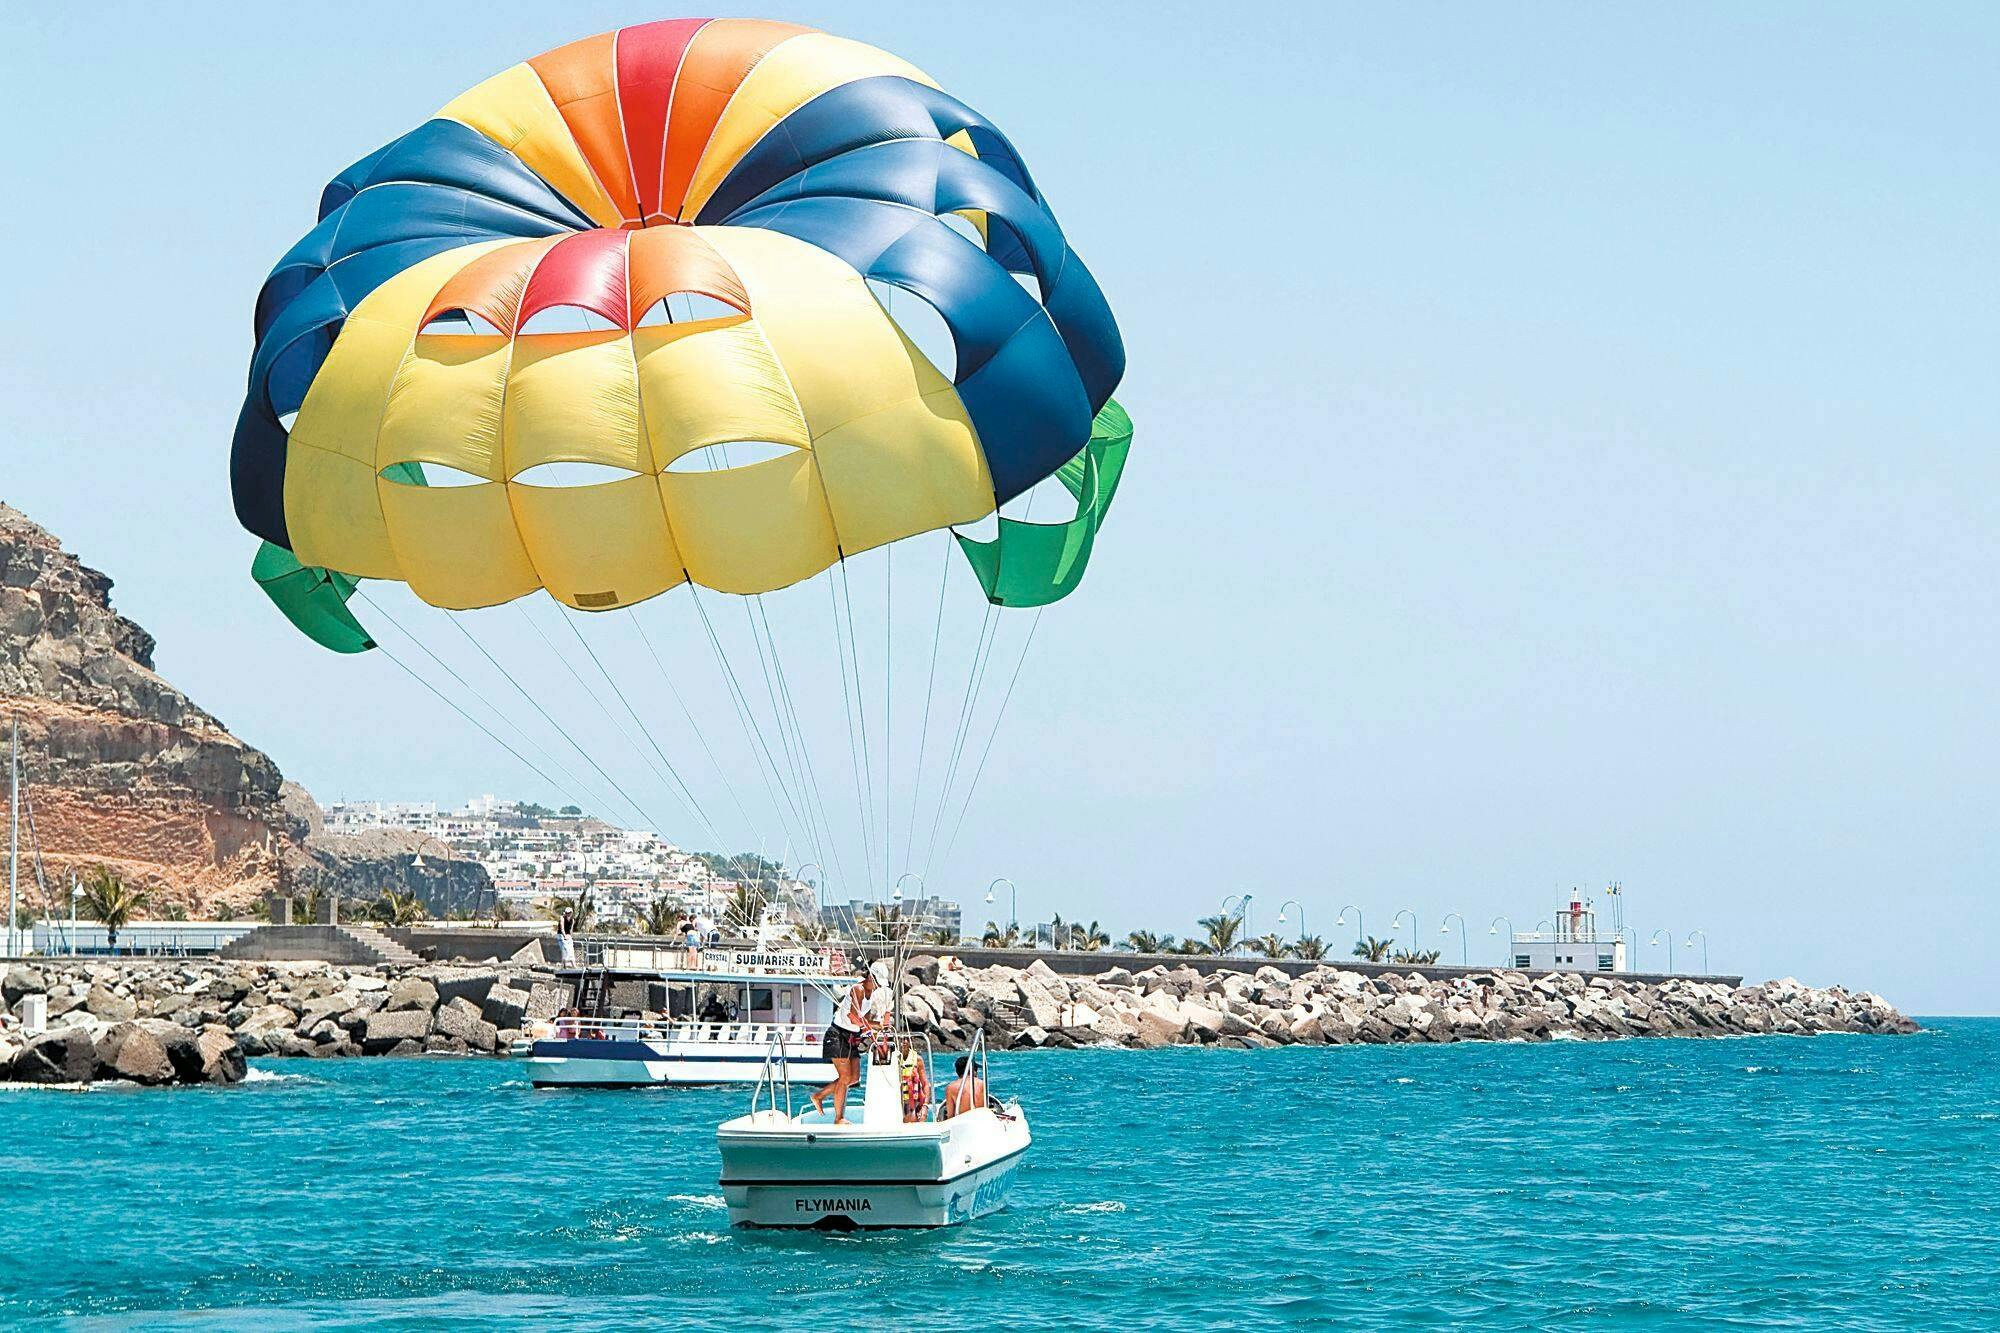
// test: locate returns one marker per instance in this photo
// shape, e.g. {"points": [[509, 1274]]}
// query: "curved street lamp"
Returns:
{"points": [[1293, 902], [1416, 936], [1359, 927], [1704, 948], [1241, 912], [1445, 929], [1670, 947], [417, 862], [819, 907], [1013, 900], [1507, 954]]}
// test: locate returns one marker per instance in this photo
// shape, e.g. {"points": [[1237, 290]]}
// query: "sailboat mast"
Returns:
{"points": [[13, 834]]}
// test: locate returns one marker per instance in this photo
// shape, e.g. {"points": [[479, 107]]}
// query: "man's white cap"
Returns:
{"points": [[880, 971]]}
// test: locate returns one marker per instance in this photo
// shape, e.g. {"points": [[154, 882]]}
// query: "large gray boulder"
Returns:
{"points": [[267, 1019], [323, 1007], [150, 1051], [384, 1031], [460, 1019], [409, 994], [1152, 1028], [64, 1056], [22, 980], [110, 1006], [1043, 1000], [464, 984], [505, 1008]]}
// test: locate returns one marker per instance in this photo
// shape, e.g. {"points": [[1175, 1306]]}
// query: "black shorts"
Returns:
{"points": [[840, 1044]]}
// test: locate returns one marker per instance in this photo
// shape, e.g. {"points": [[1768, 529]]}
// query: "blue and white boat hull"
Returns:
{"points": [[583, 1062], [780, 1171]]}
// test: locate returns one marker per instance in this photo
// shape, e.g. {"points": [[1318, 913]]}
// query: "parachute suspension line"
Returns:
{"points": [[574, 786], [453, 705], [988, 632], [680, 787], [853, 751], [536, 704], [861, 715], [735, 702], [748, 717], [991, 736], [832, 845], [784, 732], [888, 710], [668, 681], [924, 730], [616, 726]]}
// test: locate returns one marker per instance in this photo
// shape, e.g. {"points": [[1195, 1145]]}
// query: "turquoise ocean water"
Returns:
{"points": [[1753, 1183]]}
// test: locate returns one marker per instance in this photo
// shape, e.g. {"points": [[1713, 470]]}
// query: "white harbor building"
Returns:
{"points": [[1574, 945]]}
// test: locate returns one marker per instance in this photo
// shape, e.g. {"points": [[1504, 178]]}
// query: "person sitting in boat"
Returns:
{"points": [[916, 1079], [714, 1011], [864, 1008], [965, 1093]]}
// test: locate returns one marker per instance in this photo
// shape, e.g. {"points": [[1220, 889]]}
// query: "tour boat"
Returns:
{"points": [[898, 1165], [724, 1011]]}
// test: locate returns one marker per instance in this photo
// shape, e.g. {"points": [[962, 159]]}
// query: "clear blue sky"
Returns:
{"points": [[1566, 446]]}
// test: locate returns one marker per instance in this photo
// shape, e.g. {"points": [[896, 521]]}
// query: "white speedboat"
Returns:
{"points": [[726, 1010], [899, 1165]]}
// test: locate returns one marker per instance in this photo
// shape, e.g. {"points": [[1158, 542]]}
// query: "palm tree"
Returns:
{"points": [[746, 908], [1187, 946], [1059, 931], [940, 935], [1269, 945], [812, 932], [1090, 938], [1372, 949], [884, 921], [1145, 941], [581, 905], [661, 916], [109, 899], [1414, 956], [1221, 932], [397, 909], [998, 937], [1309, 947]]}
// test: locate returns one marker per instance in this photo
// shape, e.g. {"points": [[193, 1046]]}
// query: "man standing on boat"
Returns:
{"points": [[863, 1008]]}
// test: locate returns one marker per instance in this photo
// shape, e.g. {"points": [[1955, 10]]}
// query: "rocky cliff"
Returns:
{"points": [[122, 769]]}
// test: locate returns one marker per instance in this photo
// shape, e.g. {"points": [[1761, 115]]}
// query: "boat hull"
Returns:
{"points": [[583, 1063], [783, 1174]]}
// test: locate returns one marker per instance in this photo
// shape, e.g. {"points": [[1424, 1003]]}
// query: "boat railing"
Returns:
{"points": [[706, 1032], [776, 1073]]}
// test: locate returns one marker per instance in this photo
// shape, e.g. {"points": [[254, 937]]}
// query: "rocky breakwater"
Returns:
{"points": [[1162, 1006], [196, 1022]]}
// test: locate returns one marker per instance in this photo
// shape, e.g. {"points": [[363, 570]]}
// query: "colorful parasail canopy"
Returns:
{"points": [[637, 251]]}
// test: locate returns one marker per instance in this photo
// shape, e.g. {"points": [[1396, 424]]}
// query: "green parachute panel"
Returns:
{"points": [[313, 599], [1034, 564]]}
